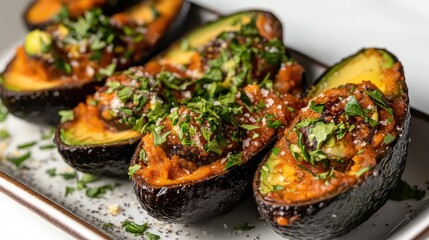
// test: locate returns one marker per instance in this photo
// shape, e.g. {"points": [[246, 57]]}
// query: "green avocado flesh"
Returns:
{"points": [[181, 52], [367, 64], [77, 138], [268, 182]]}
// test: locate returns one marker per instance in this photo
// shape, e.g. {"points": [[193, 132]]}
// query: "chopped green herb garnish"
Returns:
{"points": [[233, 160], [363, 170], [272, 122], [109, 70], [98, 192], [157, 138], [255, 135], [151, 236], [353, 108], [52, 172], [249, 127], [4, 134], [69, 190], [278, 188], [62, 14], [388, 139], [3, 109], [245, 227], [377, 96], [290, 109], [113, 85], [341, 130], [20, 159], [64, 66], [142, 156], [326, 175], [66, 115], [317, 107], [47, 146], [68, 175], [125, 93], [108, 225], [133, 169], [26, 145], [134, 228], [86, 178], [275, 151], [322, 131]]}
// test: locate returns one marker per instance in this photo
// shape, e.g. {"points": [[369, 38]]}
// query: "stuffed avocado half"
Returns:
{"points": [[57, 67], [342, 155], [241, 88]]}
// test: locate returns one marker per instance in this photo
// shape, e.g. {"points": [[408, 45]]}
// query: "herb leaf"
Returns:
{"points": [[134, 228], [4, 134], [20, 159], [151, 236], [363, 170], [108, 71], [278, 188], [249, 127], [275, 151], [69, 190], [98, 192], [157, 138], [26, 145], [389, 138], [47, 146], [317, 107], [3, 109], [233, 160], [377, 96], [133, 169], [353, 108], [245, 227], [52, 172], [66, 115]]}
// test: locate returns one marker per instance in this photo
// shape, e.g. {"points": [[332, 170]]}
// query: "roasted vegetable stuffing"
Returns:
{"points": [[59, 65], [227, 90], [346, 148]]}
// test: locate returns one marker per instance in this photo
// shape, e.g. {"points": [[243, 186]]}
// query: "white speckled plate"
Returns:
{"points": [[85, 218]]}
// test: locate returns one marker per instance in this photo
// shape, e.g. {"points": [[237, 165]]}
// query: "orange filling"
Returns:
{"points": [[44, 10], [162, 170], [27, 73]]}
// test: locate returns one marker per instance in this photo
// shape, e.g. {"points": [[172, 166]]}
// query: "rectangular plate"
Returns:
{"points": [[84, 218]]}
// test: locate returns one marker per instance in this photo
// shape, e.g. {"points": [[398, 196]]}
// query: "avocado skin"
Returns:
{"points": [[111, 160], [41, 107], [191, 202], [334, 216]]}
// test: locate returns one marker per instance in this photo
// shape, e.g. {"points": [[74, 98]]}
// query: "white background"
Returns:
{"points": [[325, 30]]}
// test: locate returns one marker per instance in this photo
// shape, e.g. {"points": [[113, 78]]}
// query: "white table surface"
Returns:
{"points": [[325, 30]]}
